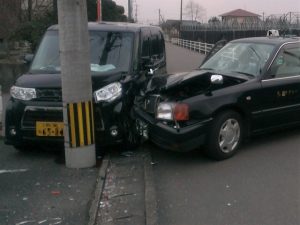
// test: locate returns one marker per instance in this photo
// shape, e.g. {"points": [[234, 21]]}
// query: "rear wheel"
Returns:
{"points": [[225, 136]]}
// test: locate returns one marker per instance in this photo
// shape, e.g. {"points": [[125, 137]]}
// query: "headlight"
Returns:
{"points": [[22, 93], [173, 111], [108, 93], [165, 111]]}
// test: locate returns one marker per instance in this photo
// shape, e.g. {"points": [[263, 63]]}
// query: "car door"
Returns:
{"points": [[280, 93]]}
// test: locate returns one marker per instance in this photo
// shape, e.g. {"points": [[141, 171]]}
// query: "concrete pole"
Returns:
{"points": [[99, 10], [76, 84]]}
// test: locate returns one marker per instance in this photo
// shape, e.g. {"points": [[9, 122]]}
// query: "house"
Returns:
{"points": [[240, 16]]}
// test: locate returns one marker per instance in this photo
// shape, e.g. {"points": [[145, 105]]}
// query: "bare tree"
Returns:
{"points": [[34, 8], [9, 20], [194, 11]]}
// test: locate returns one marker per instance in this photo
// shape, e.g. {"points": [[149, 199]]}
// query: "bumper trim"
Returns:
{"points": [[183, 139]]}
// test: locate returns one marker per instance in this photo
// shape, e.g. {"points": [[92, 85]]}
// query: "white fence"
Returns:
{"points": [[200, 47]]}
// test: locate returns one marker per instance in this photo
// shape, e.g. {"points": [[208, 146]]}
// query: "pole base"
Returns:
{"points": [[81, 157]]}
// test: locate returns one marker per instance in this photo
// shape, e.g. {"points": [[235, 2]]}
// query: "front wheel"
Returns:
{"points": [[132, 139], [225, 135], [22, 147]]}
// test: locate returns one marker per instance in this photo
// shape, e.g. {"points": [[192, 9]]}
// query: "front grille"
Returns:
{"points": [[150, 103], [47, 114], [47, 94]]}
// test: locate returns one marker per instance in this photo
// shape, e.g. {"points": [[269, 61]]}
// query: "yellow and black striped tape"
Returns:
{"points": [[81, 124]]}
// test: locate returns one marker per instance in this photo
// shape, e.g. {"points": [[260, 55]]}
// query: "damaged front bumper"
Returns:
{"points": [[183, 139]]}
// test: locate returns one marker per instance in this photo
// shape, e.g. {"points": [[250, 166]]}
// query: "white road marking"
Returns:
{"points": [[13, 171], [24, 222]]}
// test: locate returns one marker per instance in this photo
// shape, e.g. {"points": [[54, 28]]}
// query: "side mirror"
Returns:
{"points": [[146, 61], [151, 71], [28, 58], [216, 79]]}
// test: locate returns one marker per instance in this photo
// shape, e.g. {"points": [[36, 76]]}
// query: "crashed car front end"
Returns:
{"points": [[177, 111]]}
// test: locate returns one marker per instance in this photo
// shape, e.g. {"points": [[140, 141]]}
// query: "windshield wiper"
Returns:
{"points": [[255, 52], [247, 74], [49, 67], [201, 68]]}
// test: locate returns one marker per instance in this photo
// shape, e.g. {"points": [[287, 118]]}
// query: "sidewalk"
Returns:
{"points": [[125, 190]]}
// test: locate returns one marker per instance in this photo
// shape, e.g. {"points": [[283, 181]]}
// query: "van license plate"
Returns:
{"points": [[49, 129]]}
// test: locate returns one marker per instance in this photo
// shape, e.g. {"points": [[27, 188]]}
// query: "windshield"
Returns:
{"points": [[109, 52], [241, 58]]}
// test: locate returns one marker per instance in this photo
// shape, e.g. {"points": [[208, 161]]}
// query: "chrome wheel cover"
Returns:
{"points": [[229, 135]]}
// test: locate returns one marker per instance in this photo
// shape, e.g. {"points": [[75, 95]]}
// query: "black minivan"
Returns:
{"points": [[122, 57]]}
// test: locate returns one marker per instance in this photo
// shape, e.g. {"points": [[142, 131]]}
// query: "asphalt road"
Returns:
{"points": [[258, 186], [181, 60], [37, 188]]}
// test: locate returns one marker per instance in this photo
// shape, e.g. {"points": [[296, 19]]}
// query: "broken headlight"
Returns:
{"points": [[23, 93], [108, 93], [172, 111]]}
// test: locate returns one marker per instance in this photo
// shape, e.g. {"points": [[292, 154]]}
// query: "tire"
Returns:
{"points": [[132, 139], [225, 136], [22, 147]]}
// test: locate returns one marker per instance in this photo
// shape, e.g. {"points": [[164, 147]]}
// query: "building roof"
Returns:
{"points": [[239, 13]]}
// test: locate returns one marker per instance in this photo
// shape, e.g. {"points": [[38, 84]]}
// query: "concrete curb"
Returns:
{"points": [[93, 212], [150, 193]]}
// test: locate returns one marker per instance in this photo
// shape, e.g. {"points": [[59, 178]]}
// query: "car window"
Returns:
{"points": [[241, 58], [157, 45], [146, 42], [220, 44], [109, 52], [286, 63]]}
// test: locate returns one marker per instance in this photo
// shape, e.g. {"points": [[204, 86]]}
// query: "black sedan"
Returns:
{"points": [[249, 86]]}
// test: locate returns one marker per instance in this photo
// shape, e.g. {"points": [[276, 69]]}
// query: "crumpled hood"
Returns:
{"points": [[165, 82], [183, 85]]}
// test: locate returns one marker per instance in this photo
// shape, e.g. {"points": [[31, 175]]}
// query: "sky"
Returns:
{"points": [[147, 10]]}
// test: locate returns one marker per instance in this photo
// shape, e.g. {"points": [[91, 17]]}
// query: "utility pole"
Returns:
{"points": [[129, 11], [29, 10], [158, 17], [99, 10], [180, 12], [76, 84], [180, 25], [54, 5], [136, 12]]}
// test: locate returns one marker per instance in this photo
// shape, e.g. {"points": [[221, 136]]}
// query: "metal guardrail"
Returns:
{"points": [[200, 47]]}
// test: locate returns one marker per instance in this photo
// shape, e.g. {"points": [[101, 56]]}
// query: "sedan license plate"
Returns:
{"points": [[49, 129]]}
